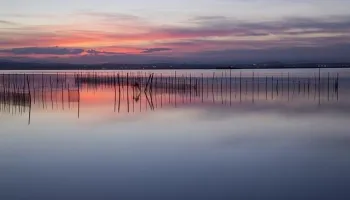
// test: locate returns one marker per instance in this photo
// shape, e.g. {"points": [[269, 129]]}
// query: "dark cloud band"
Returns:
{"points": [[153, 50], [43, 51]]}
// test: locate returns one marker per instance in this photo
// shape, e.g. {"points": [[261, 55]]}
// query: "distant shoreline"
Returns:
{"points": [[154, 69], [167, 66]]}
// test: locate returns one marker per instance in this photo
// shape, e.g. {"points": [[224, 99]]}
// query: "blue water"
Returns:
{"points": [[211, 144]]}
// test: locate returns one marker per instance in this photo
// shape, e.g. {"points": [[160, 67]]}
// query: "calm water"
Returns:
{"points": [[183, 135]]}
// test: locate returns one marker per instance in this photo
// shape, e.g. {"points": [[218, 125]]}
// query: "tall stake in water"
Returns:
{"points": [[240, 86], [308, 87], [202, 88], [288, 85], [319, 86], [119, 92], [222, 96], [230, 86], [258, 76], [115, 92], [42, 88], [51, 92], [272, 87], [212, 86], [337, 86], [127, 90], [328, 77], [253, 86], [78, 98]]}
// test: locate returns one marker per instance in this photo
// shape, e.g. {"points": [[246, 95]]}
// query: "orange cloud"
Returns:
{"points": [[108, 34]]}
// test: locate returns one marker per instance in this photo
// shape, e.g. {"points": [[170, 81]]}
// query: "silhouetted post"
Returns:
{"points": [[156, 84], [127, 91], [15, 82], [190, 88], [222, 96], [78, 97], [56, 87], [202, 88], [282, 85], [240, 86], [308, 87], [236, 87], [68, 96], [258, 77], [119, 92], [337, 86], [277, 87], [115, 93], [207, 87], [65, 79], [230, 86], [212, 86], [294, 82], [266, 85], [253, 86], [246, 86], [34, 86], [51, 92], [170, 88], [176, 85], [161, 90], [62, 96], [166, 84], [328, 85], [272, 87], [225, 89], [315, 86], [28, 83], [217, 84], [24, 83], [10, 82], [42, 89], [319, 85], [133, 91], [94, 78], [184, 82], [288, 89]]}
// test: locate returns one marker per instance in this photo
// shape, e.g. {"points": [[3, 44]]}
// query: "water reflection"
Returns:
{"points": [[92, 136], [136, 93]]}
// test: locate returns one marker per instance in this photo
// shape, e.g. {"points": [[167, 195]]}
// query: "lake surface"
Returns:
{"points": [[261, 134]]}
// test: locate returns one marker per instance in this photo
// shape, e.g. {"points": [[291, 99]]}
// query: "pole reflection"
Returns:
{"points": [[137, 92]]}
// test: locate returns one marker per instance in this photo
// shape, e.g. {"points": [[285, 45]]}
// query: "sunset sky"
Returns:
{"points": [[202, 31]]}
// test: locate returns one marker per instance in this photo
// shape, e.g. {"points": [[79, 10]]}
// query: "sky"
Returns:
{"points": [[182, 31]]}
